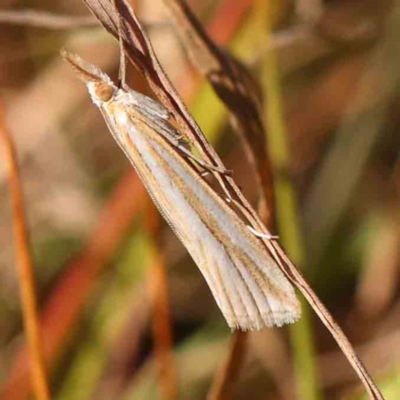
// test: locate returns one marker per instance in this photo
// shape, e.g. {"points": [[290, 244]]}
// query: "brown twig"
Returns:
{"points": [[48, 20], [296, 277], [161, 320], [43, 19], [25, 267], [223, 385]]}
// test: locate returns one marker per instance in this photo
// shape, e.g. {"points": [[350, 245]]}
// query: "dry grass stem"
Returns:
{"points": [[43, 19], [161, 319], [224, 382], [25, 267]]}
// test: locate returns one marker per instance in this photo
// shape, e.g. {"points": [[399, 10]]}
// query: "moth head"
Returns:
{"points": [[99, 84]]}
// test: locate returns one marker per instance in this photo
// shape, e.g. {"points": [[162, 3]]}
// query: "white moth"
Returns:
{"points": [[246, 282]]}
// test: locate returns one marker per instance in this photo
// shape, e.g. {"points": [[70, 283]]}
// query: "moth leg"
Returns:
{"points": [[207, 167], [206, 173], [262, 235]]}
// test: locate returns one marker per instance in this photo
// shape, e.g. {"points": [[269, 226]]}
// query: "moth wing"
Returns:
{"points": [[245, 281]]}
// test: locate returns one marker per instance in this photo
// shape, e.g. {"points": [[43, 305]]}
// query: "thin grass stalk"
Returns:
{"points": [[25, 267], [228, 373], [45, 20], [287, 218], [161, 319]]}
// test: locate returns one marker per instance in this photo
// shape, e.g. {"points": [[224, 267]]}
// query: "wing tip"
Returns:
{"points": [[247, 323]]}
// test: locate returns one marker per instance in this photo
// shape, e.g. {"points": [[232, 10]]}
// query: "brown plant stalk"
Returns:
{"points": [[43, 19], [161, 318], [25, 266]]}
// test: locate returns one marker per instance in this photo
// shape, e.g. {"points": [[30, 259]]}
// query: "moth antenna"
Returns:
{"points": [[87, 72]]}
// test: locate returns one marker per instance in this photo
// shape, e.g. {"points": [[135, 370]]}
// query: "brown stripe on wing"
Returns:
{"points": [[210, 222]]}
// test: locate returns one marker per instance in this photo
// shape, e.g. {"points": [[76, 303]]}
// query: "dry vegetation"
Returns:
{"points": [[329, 74]]}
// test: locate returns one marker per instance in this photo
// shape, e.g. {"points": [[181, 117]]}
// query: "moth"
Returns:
{"points": [[246, 282]]}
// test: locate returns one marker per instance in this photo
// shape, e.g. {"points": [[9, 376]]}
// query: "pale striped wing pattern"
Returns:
{"points": [[247, 285]]}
